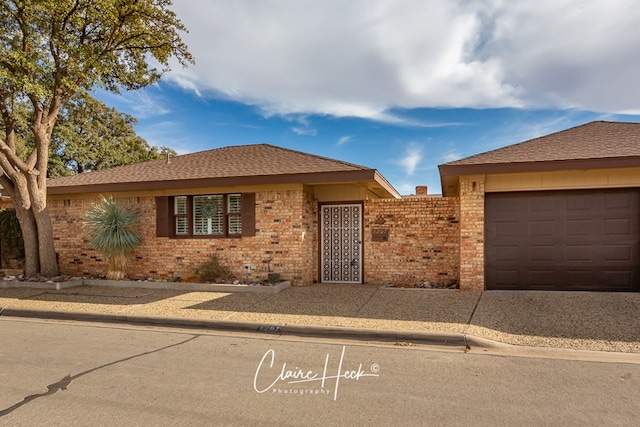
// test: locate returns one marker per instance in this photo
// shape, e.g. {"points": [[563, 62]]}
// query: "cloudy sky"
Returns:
{"points": [[397, 85]]}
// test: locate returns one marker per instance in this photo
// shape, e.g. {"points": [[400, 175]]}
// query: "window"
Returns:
{"points": [[207, 215], [210, 215]]}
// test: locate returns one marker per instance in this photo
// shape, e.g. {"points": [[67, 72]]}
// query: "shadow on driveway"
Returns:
{"points": [[93, 295]]}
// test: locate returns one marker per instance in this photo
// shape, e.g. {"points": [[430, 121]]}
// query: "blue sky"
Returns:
{"points": [[396, 85]]}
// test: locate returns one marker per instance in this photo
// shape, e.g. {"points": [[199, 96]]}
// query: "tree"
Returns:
{"points": [[88, 136], [91, 136], [52, 50]]}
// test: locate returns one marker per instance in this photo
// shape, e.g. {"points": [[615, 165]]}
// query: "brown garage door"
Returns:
{"points": [[563, 240]]}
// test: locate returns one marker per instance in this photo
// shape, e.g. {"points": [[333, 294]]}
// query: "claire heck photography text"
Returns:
{"points": [[278, 378]]}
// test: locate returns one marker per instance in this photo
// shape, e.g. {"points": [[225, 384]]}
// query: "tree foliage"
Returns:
{"points": [[50, 52], [88, 136], [91, 136]]}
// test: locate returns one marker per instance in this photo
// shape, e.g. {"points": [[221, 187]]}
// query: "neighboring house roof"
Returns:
{"points": [[235, 165], [592, 145]]}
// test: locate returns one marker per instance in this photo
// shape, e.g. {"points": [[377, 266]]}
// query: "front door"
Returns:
{"points": [[341, 243]]}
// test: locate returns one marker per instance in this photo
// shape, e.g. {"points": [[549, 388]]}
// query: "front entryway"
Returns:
{"points": [[341, 243]]}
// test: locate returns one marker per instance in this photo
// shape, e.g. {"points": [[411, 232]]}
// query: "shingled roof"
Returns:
{"points": [[592, 145], [234, 165]]}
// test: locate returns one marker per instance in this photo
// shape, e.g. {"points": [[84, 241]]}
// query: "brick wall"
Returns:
{"points": [[472, 233], [285, 228], [422, 243], [422, 240]]}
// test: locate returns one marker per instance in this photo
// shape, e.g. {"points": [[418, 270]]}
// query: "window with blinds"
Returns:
{"points": [[234, 213], [180, 214], [214, 215]]}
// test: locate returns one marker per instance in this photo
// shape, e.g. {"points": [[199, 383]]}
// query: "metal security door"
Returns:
{"points": [[341, 245]]}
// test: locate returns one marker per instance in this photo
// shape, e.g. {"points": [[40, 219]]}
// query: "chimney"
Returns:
{"points": [[422, 190]]}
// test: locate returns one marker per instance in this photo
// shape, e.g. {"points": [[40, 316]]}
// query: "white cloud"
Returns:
{"points": [[411, 158], [363, 57], [343, 140], [139, 103], [298, 130], [451, 156]]}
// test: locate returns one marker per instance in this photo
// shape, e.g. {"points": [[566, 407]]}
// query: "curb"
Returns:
{"points": [[433, 338]]}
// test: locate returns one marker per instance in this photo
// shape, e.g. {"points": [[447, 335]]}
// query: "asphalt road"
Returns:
{"points": [[57, 373]]}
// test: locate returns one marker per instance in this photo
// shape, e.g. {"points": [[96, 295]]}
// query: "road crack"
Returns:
{"points": [[66, 381], [466, 329]]}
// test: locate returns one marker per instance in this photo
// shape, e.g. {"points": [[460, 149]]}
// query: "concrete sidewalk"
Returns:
{"points": [[574, 320]]}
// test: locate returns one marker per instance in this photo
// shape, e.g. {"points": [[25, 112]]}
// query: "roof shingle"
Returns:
{"points": [[227, 162], [592, 145], [595, 140]]}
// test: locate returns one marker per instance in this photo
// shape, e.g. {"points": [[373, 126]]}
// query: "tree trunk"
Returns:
{"points": [[117, 267], [29, 238], [37, 186], [18, 190], [47, 250]]}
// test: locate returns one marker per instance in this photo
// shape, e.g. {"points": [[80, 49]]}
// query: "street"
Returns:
{"points": [[57, 373]]}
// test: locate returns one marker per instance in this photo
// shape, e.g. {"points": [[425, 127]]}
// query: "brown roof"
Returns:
{"points": [[235, 165], [592, 145]]}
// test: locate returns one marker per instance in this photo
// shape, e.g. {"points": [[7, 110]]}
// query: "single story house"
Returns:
{"points": [[263, 209], [559, 212]]}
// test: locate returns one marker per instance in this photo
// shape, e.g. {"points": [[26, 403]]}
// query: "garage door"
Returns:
{"points": [[563, 240]]}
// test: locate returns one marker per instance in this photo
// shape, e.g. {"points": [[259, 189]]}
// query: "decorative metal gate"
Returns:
{"points": [[341, 246]]}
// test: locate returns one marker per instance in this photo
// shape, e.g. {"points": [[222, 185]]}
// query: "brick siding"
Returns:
{"points": [[472, 233], [285, 228], [422, 243]]}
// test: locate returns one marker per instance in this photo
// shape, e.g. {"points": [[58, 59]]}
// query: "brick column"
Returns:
{"points": [[472, 233]]}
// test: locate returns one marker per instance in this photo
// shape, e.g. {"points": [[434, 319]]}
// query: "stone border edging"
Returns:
{"points": [[40, 285], [206, 287]]}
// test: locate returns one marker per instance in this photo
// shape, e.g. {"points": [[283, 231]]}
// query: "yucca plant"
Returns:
{"points": [[111, 226]]}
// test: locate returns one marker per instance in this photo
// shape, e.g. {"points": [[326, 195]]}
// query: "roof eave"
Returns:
{"points": [[381, 180], [449, 173], [308, 178]]}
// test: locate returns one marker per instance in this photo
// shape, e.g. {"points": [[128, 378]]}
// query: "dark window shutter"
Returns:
{"points": [[248, 214], [163, 223]]}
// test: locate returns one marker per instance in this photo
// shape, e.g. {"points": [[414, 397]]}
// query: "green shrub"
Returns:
{"points": [[212, 270], [11, 243], [111, 225]]}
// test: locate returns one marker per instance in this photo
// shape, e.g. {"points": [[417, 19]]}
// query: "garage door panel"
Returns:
{"points": [[563, 240], [579, 202], [582, 278], [579, 227], [542, 228], [540, 204], [618, 201], [507, 253], [617, 227], [507, 277], [619, 279], [542, 253], [620, 253], [542, 278], [507, 229], [579, 253]]}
